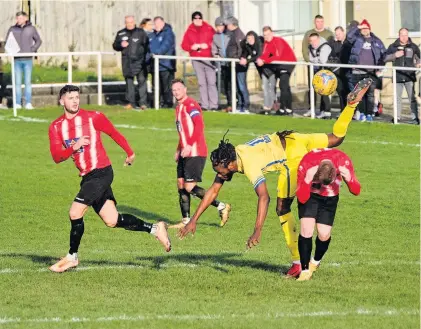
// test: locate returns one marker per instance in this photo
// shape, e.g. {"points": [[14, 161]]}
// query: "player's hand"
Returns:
{"points": [[254, 239], [177, 155], [259, 62], [186, 151], [189, 228], [124, 44], [83, 141], [243, 61], [345, 173], [399, 53], [129, 160], [310, 174]]}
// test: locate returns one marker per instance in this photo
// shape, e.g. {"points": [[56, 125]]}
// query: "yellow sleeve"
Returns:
{"points": [[315, 141], [255, 175]]}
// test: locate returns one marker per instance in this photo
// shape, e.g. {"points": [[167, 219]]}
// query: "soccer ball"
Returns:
{"points": [[325, 82]]}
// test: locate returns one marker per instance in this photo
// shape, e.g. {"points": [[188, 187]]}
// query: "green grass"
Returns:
{"points": [[369, 278]]}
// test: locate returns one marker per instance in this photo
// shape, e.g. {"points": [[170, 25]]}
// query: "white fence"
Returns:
{"points": [[311, 69]]}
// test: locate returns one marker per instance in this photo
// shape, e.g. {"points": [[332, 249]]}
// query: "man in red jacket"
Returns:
{"points": [[197, 41], [277, 49], [319, 178]]}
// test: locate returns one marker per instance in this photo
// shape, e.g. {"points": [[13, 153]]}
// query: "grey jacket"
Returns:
{"points": [[26, 36], [219, 49], [319, 55]]}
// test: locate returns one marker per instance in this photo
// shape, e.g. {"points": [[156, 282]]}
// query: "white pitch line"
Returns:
{"points": [[215, 317], [219, 132]]}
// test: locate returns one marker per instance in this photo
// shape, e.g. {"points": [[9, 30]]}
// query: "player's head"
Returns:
{"points": [[224, 158], [326, 172], [69, 98], [179, 89]]}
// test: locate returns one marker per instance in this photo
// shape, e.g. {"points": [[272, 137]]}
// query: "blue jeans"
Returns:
{"points": [[242, 91], [25, 66]]}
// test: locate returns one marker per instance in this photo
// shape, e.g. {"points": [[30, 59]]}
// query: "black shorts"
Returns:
{"points": [[322, 208], [191, 169], [95, 188]]}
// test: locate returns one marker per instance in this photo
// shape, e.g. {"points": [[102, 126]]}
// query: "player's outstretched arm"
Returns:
{"points": [[210, 195], [347, 172], [262, 211]]}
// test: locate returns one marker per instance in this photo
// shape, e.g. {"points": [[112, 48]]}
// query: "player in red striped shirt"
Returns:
{"points": [[320, 174], [191, 154], [77, 134]]}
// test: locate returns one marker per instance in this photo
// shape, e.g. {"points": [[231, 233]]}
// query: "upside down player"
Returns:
{"points": [[77, 134], [320, 175], [281, 152], [191, 154]]}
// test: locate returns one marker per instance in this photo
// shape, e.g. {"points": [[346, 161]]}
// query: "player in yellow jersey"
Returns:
{"points": [[282, 152]]}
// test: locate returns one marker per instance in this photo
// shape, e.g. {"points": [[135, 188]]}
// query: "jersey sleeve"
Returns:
{"points": [[103, 124], [349, 177], [57, 151], [197, 118], [253, 172], [303, 188], [315, 141]]}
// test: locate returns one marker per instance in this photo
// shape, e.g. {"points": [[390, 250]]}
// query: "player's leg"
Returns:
{"points": [[193, 174], [183, 195], [106, 209], [286, 192]]}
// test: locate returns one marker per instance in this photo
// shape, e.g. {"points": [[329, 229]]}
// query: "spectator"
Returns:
{"points": [[252, 48], [319, 53], [29, 41], [403, 52], [319, 28], [277, 49], [147, 25], [162, 42], [197, 41], [219, 49], [339, 46], [234, 50], [367, 49], [2, 79], [133, 43]]}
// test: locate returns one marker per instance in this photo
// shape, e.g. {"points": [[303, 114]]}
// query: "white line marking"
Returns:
{"points": [[213, 317], [219, 132]]}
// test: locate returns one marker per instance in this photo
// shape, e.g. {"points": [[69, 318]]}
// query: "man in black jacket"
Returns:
{"points": [[403, 52], [133, 43], [234, 50]]}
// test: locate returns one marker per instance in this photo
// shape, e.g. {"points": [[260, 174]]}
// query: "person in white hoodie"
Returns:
{"points": [[320, 53]]}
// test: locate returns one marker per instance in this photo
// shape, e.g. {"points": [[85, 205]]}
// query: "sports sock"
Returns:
{"points": [[341, 125], [291, 236], [321, 248], [132, 223], [184, 200], [305, 245], [199, 192], [76, 233]]}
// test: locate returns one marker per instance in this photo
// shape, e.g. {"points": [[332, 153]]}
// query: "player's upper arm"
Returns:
{"points": [[102, 123], [314, 141]]}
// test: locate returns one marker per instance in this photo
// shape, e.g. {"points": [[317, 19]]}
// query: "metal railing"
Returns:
{"points": [[311, 69], [69, 55]]}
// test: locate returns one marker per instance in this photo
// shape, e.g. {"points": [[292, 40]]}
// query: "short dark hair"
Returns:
{"points": [[314, 35], [68, 89], [159, 17], [319, 17], [267, 28], [144, 21], [178, 81], [339, 28], [326, 172], [403, 28], [224, 154]]}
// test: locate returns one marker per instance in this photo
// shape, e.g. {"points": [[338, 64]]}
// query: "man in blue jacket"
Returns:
{"points": [[162, 42], [367, 49]]}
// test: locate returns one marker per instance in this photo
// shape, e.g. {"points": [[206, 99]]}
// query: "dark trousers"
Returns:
{"points": [[342, 89], [165, 92], [243, 95], [284, 86], [366, 105], [141, 84], [226, 81], [3, 85]]}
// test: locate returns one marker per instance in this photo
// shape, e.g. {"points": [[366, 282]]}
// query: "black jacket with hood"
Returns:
{"points": [[409, 59]]}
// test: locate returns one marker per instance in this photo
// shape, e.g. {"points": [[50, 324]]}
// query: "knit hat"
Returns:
{"points": [[365, 25], [219, 21], [232, 20], [196, 13]]}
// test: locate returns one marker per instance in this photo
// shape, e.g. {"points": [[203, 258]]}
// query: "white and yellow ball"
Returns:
{"points": [[325, 82]]}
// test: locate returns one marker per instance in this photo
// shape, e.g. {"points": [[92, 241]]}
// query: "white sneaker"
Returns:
{"points": [[288, 111], [29, 106], [3, 107], [357, 115], [18, 106], [307, 114], [324, 115]]}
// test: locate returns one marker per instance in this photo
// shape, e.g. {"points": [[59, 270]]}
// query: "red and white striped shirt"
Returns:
{"points": [[191, 128], [343, 166], [65, 133]]}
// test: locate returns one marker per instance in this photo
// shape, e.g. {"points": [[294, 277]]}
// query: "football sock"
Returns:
{"points": [[184, 200], [341, 125], [305, 245], [199, 192], [321, 248], [291, 236], [76, 233], [132, 223]]}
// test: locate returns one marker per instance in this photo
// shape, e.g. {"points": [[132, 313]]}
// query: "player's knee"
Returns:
{"points": [[323, 236], [306, 232], [75, 214], [283, 206]]}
